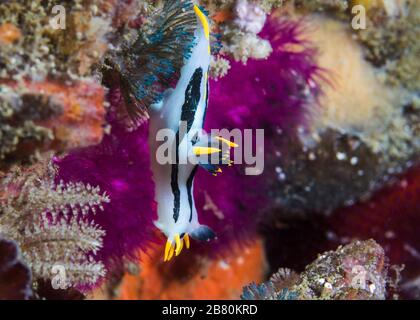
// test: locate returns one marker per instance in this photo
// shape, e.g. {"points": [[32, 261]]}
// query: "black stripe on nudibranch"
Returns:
{"points": [[206, 101], [188, 111], [189, 190], [174, 182], [192, 98]]}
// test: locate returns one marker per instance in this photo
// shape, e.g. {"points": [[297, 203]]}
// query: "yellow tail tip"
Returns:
{"points": [[187, 240], [172, 249], [178, 243], [171, 253], [167, 250]]}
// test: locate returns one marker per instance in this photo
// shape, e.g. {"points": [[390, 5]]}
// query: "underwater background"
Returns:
{"points": [[335, 212]]}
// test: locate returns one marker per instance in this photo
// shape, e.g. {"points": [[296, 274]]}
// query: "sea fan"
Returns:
{"points": [[48, 221]]}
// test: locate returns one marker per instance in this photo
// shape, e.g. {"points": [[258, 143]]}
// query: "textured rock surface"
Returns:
{"points": [[355, 271]]}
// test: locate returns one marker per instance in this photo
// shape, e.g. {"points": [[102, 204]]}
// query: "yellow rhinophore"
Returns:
{"points": [[204, 22]]}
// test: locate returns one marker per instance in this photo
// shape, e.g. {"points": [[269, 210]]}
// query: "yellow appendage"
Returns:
{"points": [[175, 248]]}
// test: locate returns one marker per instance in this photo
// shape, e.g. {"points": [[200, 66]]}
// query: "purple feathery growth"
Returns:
{"points": [[272, 95], [120, 166]]}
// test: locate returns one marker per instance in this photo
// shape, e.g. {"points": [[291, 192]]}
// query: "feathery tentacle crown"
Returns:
{"points": [[153, 62]]}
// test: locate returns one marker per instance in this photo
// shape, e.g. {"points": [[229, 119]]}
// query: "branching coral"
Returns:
{"points": [[49, 223]]}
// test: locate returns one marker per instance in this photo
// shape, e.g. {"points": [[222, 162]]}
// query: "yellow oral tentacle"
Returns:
{"points": [[187, 240], [179, 245], [171, 253], [182, 246], [167, 249]]}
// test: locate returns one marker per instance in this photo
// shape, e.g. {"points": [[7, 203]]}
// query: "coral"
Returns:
{"points": [[393, 44], [15, 276], [9, 33], [336, 6], [215, 5], [196, 277], [239, 22], [274, 289], [355, 271], [36, 117], [48, 222], [36, 50], [49, 98], [243, 46], [240, 35], [249, 17], [219, 67]]}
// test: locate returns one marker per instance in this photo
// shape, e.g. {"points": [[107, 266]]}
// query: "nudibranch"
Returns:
{"points": [[175, 56]]}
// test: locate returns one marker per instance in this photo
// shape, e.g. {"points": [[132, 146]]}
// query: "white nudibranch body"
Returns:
{"points": [[182, 110]]}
